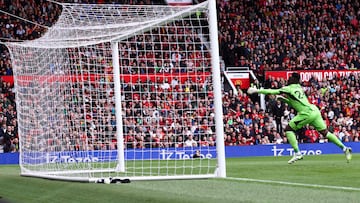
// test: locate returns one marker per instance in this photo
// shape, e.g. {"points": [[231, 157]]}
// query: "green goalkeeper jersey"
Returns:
{"points": [[294, 96]]}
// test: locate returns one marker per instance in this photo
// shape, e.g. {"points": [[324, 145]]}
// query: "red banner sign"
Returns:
{"points": [[127, 78], [307, 74], [7, 79]]}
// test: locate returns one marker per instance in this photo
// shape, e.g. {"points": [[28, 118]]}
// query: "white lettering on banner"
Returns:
{"points": [[288, 74], [169, 155], [277, 152], [305, 76], [304, 152], [179, 2], [328, 75], [320, 75], [69, 159], [239, 75], [280, 151]]}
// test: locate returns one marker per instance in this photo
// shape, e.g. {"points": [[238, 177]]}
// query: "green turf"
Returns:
{"points": [[330, 170]]}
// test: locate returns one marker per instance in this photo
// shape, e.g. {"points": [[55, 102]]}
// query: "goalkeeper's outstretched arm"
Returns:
{"points": [[254, 90], [277, 92]]}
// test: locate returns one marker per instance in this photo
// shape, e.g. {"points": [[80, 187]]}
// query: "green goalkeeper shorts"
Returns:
{"points": [[312, 117]]}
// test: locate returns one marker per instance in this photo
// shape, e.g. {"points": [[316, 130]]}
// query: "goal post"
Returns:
{"points": [[121, 91], [117, 92], [215, 61]]}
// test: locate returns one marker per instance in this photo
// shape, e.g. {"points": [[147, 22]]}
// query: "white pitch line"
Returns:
{"points": [[295, 184]]}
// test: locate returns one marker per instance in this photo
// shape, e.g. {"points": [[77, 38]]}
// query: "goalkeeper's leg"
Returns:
{"points": [[320, 125], [294, 143], [299, 121], [337, 141]]}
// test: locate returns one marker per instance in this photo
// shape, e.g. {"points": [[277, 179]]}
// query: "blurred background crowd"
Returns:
{"points": [[264, 35]]}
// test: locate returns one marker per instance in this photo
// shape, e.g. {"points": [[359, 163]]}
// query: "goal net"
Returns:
{"points": [[121, 91]]}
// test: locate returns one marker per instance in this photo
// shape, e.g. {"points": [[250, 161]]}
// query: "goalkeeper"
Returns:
{"points": [[307, 113]]}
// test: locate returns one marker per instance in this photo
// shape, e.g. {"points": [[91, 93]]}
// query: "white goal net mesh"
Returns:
{"points": [[67, 104]]}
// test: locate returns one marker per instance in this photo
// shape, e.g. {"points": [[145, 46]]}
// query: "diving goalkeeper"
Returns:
{"points": [[307, 113]]}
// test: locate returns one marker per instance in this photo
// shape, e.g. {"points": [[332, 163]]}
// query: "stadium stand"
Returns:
{"points": [[263, 35], [290, 35]]}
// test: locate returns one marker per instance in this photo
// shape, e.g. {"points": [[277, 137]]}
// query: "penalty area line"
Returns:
{"points": [[295, 184]]}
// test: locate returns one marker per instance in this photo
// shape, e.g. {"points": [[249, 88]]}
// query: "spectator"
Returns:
{"points": [[196, 154], [2, 135], [311, 135], [278, 138], [247, 120], [9, 140], [278, 112], [190, 142], [285, 119]]}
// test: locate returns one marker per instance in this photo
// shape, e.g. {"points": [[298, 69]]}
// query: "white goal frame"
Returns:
{"points": [[114, 39]]}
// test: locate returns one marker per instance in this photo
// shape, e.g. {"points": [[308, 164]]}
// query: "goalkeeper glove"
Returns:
{"points": [[252, 90]]}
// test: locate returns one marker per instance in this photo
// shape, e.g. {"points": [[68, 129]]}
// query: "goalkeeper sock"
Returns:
{"points": [[292, 140], [335, 140]]}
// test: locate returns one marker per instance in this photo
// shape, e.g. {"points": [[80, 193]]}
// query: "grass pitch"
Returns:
{"points": [[325, 178]]}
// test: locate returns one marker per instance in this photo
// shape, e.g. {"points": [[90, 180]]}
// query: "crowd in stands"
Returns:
{"points": [[263, 35], [290, 35]]}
